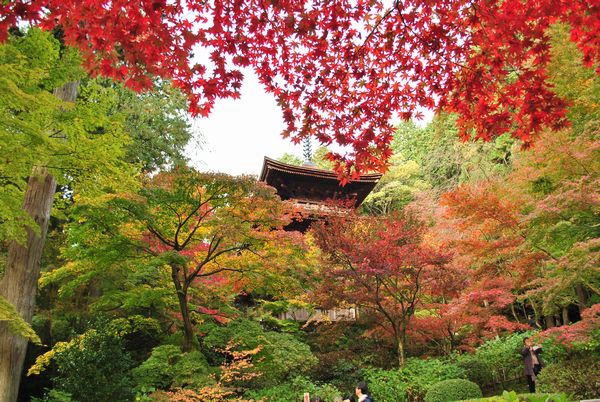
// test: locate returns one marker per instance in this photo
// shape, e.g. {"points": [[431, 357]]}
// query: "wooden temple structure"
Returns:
{"points": [[312, 188]]}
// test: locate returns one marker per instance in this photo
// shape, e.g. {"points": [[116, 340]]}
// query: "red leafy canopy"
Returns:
{"points": [[340, 69]]}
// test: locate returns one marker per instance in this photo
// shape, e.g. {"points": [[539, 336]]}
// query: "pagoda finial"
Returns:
{"points": [[307, 151]]}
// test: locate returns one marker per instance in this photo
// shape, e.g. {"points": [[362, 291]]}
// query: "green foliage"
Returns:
{"points": [[396, 188], [81, 144], [319, 158], [94, 368], [422, 373], [168, 367], [157, 123], [292, 391], [572, 80], [387, 385], [282, 355], [512, 396], [443, 159], [476, 370], [55, 395], [502, 356], [579, 377], [412, 381], [452, 390], [14, 322], [290, 159]]}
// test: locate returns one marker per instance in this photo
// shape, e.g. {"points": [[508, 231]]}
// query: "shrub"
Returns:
{"points": [[94, 367], [579, 377], [282, 355], [293, 391], [168, 367], [387, 385], [421, 374], [512, 396], [502, 356], [453, 390], [411, 382], [476, 371]]}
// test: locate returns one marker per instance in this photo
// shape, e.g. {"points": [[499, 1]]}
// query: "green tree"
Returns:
{"points": [[444, 159], [46, 138], [396, 188], [184, 234]]}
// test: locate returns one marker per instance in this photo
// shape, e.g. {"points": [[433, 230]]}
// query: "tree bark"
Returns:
{"points": [[581, 297], [565, 315], [188, 329], [401, 352], [19, 284]]}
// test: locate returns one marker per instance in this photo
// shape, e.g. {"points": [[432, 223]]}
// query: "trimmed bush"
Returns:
{"points": [[453, 390], [578, 377], [477, 371]]}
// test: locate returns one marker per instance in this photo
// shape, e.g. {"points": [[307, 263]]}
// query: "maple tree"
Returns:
{"points": [[340, 70], [378, 264], [202, 228]]}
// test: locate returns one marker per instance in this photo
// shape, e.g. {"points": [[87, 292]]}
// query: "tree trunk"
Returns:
{"points": [[19, 284], [581, 297], [549, 321], [401, 353], [565, 315], [188, 329]]}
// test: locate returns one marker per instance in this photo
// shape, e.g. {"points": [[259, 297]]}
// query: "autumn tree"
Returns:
{"points": [[201, 231], [380, 265], [340, 70]]}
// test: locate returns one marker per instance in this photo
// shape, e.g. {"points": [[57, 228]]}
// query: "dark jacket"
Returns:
{"points": [[528, 360]]}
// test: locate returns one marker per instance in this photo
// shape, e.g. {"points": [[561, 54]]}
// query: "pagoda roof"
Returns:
{"points": [[311, 185]]}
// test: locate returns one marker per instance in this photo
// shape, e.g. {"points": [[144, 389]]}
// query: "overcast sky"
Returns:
{"points": [[238, 134]]}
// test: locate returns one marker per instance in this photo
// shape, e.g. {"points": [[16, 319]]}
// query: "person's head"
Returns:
{"points": [[361, 388], [316, 399], [527, 341]]}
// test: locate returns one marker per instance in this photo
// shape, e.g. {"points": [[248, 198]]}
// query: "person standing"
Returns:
{"points": [[532, 361]]}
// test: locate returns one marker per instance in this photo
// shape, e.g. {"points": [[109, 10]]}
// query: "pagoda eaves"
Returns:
{"points": [[312, 188]]}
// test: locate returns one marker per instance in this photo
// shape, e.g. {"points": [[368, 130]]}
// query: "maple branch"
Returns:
{"points": [[160, 236], [383, 17], [211, 256], [424, 42], [200, 218]]}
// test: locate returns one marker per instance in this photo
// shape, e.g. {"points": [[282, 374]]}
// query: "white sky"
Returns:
{"points": [[238, 134]]}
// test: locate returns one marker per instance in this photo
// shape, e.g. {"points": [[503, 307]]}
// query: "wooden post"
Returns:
{"points": [[19, 283]]}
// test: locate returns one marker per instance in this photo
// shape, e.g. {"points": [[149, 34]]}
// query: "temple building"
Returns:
{"points": [[312, 188]]}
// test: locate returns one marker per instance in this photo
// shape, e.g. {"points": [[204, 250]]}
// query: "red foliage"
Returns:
{"points": [[341, 70], [492, 264], [380, 265], [578, 332]]}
